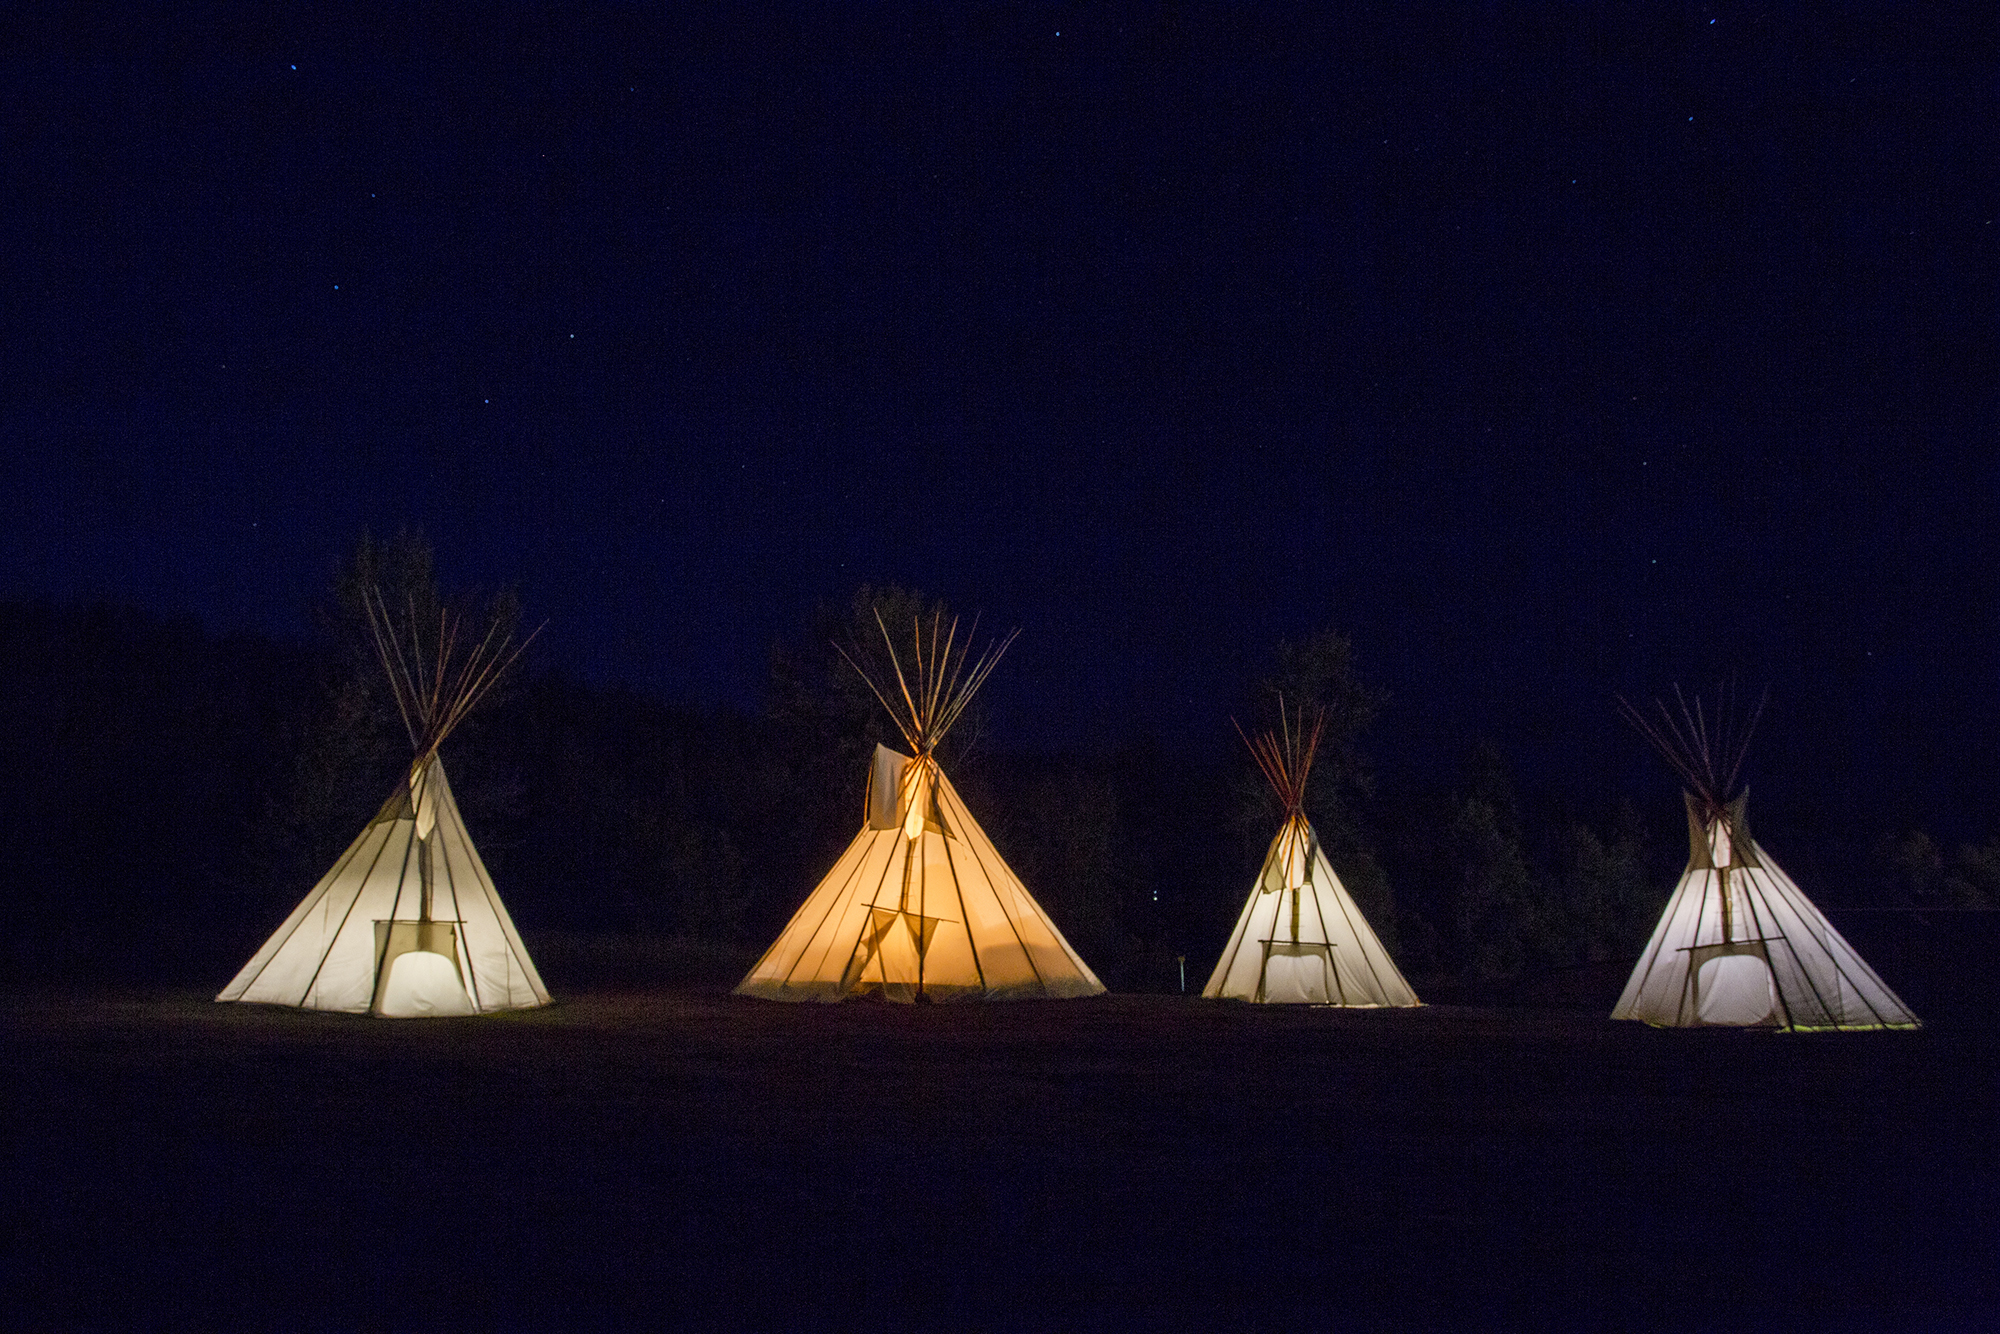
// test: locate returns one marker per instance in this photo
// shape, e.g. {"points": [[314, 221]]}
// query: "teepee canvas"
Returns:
{"points": [[921, 907], [1739, 944], [1300, 938], [407, 923]]}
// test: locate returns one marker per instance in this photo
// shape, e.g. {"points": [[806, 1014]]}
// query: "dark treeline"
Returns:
{"points": [[174, 792]]}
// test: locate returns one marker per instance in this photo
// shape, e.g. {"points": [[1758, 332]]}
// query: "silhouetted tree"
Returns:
{"points": [[1493, 898], [1909, 870], [1974, 878], [132, 749], [1604, 904], [640, 812], [1064, 837]]}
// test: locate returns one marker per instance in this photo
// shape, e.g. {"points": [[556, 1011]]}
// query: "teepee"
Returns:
{"points": [[1300, 939], [921, 907], [407, 923], [1739, 944]]}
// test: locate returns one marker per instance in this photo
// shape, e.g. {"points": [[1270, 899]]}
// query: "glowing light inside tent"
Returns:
{"points": [[1299, 975], [1736, 989], [422, 985], [1295, 858], [1719, 848], [913, 823], [423, 798]]}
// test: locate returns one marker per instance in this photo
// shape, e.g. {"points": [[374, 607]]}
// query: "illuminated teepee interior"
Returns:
{"points": [[1739, 944], [1300, 938], [407, 923], [921, 907]]}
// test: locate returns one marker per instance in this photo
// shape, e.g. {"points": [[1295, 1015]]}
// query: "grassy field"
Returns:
{"points": [[686, 1159]]}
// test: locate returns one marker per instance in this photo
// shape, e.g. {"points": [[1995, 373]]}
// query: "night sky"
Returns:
{"points": [[1550, 353]]}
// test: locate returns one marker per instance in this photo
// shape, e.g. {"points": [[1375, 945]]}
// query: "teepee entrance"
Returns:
{"points": [[407, 924], [1732, 984], [1740, 945], [921, 907], [418, 974], [1300, 973]]}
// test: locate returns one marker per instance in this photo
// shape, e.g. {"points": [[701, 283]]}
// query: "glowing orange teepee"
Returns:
{"points": [[921, 907]]}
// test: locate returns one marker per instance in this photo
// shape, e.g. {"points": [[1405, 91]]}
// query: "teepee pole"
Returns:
{"points": [[1722, 893], [918, 739]]}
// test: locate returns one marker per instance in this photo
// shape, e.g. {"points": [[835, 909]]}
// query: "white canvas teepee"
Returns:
{"points": [[921, 907], [407, 923], [1300, 938], [1739, 944]]}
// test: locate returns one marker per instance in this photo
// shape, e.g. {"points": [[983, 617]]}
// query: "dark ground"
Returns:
{"points": [[659, 1159]]}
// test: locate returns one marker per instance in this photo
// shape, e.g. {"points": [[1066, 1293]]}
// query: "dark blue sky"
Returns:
{"points": [[1547, 353]]}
